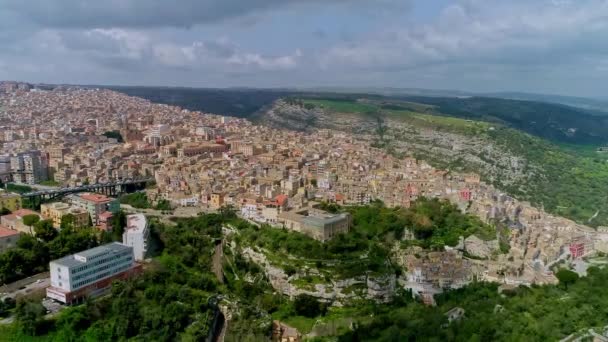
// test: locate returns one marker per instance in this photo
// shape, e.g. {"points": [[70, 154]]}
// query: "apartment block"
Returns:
{"points": [[10, 201], [56, 211], [95, 204], [136, 235]]}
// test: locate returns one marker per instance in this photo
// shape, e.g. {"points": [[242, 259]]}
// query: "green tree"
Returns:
{"points": [[68, 221], [566, 277], [136, 200], [29, 317], [114, 134], [227, 212], [30, 220], [119, 222], [308, 306], [45, 231], [164, 205]]}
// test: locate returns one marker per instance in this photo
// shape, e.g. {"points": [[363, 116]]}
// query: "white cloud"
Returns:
{"points": [[484, 31], [266, 62]]}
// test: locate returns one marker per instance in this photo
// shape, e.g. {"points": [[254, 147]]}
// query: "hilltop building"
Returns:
{"points": [[317, 224]]}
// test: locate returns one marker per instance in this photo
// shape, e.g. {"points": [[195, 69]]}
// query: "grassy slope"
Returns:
{"points": [[575, 176]]}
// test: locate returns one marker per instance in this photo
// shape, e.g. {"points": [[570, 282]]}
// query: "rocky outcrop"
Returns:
{"points": [[479, 248], [380, 288]]}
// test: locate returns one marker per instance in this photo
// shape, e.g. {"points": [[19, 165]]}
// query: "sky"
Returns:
{"points": [[541, 46]]}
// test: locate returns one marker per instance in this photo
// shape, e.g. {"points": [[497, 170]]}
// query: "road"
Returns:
{"points": [[44, 187], [26, 286]]}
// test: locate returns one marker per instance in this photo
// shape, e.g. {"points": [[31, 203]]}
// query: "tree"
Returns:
{"points": [[119, 221], [29, 317], [227, 212], [4, 211], [45, 231], [566, 277], [68, 221], [164, 205], [308, 306], [136, 200], [114, 134], [30, 220]]}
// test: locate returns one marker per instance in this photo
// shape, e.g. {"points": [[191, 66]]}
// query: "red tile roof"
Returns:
{"points": [[95, 198], [281, 199]]}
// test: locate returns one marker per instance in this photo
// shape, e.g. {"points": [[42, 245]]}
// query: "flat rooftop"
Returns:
{"points": [[322, 220], [136, 223], [83, 257]]}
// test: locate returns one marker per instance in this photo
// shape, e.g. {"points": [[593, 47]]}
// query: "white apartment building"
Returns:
{"points": [[89, 273], [136, 235]]}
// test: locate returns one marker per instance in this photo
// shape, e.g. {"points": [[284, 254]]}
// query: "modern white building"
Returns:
{"points": [[136, 235], [89, 273]]}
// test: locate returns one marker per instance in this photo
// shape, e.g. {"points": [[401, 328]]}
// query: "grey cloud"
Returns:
{"points": [[149, 13]]}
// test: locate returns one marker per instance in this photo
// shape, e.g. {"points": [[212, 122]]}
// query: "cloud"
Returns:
{"points": [[552, 45], [485, 32], [154, 13], [221, 53]]}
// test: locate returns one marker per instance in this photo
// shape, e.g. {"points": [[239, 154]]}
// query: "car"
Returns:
{"points": [[39, 281]]}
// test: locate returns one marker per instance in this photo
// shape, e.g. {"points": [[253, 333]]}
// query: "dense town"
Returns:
{"points": [[272, 176]]}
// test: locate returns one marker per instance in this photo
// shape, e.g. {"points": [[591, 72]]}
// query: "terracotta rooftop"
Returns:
{"points": [[97, 198], [23, 212]]}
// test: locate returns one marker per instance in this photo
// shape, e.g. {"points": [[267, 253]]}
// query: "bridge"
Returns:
{"points": [[113, 189]]}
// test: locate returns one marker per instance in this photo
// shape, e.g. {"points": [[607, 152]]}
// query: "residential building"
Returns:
{"points": [[14, 221], [29, 167], [8, 238], [5, 167], [282, 332], [56, 211], [95, 204], [136, 235], [10, 200], [90, 273], [105, 221], [217, 200]]}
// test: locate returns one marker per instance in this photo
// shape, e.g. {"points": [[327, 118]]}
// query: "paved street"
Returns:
{"points": [[25, 286]]}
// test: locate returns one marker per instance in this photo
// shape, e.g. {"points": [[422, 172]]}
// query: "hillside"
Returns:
{"points": [[564, 181], [344, 290], [555, 122]]}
